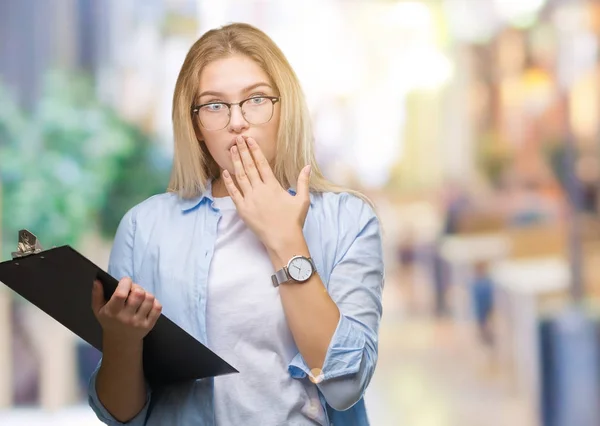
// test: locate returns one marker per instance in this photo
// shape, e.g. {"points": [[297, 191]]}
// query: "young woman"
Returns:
{"points": [[284, 284]]}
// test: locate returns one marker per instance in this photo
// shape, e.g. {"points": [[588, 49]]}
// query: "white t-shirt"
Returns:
{"points": [[247, 327]]}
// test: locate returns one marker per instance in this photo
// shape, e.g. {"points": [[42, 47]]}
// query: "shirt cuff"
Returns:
{"points": [[343, 356], [102, 412]]}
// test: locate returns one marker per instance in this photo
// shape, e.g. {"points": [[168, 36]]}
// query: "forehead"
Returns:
{"points": [[231, 75]]}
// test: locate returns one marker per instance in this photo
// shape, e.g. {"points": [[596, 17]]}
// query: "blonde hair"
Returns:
{"points": [[193, 166]]}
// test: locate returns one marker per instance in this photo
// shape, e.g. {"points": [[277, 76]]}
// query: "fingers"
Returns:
{"points": [[98, 300], [304, 183], [248, 162], [135, 303], [145, 306], [260, 160], [234, 193], [154, 313], [117, 301], [135, 300], [240, 172], [130, 313]]}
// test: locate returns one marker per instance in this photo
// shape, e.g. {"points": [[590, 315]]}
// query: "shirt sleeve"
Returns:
{"points": [[120, 265], [103, 414], [355, 285]]}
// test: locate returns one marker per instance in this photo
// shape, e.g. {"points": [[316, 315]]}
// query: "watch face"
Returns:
{"points": [[300, 269]]}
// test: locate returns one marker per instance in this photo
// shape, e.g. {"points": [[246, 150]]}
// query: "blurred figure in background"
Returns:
{"points": [[406, 255], [530, 207], [482, 298], [456, 204]]}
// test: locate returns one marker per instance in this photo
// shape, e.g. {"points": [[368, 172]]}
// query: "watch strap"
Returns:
{"points": [[280, 276]]}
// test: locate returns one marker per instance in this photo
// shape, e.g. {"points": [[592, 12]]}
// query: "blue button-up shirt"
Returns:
{"points": [[165, 244]]}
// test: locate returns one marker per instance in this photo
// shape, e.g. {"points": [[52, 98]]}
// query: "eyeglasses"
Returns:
{"points": [[255, 110]]}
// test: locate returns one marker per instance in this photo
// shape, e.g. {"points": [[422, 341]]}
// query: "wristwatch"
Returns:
{"points": [[298, 269]]}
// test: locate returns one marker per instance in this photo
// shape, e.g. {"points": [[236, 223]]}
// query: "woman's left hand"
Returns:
{"points": [[271, 212]]}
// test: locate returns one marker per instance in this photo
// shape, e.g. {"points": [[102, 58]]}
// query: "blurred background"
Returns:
{"points": [[474, 125]]}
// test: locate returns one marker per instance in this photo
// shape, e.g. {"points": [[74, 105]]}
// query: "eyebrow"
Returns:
{"points": [[247, 89]]}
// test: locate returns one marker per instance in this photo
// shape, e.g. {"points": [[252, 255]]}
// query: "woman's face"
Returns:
{"points": [[234, 79]]}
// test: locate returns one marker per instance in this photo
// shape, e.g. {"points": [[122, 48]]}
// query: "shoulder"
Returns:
{"points": [[149, 220], [348, 228], [344, 208], [154, 207], [344, 219]]}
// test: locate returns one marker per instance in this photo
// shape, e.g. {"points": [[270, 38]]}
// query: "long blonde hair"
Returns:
{"points": [[193, 166]]}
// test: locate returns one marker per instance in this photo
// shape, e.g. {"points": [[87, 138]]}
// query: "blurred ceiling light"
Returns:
{"points": [[520, 13], [422, 67], [471, 21], [409, 14]]}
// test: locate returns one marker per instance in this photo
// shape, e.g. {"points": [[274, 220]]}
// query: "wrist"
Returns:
{"points": [[281, 240], [121, 344], [287, 246]]}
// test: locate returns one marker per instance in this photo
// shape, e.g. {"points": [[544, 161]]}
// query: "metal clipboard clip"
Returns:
{"points": [[28, 244]]}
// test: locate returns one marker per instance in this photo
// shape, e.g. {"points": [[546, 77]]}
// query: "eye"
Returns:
{"points": [[257, 100], [216, 107]]}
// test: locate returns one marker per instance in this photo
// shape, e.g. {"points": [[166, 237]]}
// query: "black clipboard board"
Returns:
{"points": [[59, 282]]}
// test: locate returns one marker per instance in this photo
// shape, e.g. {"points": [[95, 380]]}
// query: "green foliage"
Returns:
{"points": [[136, 177], [70, 164]]}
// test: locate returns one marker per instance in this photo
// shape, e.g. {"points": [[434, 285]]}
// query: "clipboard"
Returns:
{"points": [[59, 282]]}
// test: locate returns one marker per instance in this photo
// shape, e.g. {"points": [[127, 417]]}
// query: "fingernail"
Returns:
{"points": [[240, 139], [226, 174], [307, 170], [234, 149], [250, 141]]}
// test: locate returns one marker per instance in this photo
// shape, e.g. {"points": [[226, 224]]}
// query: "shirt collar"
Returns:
{"points": [[190, 203]]}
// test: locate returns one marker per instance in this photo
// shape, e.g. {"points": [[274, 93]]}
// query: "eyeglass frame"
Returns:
{"points": [[196, 109]]}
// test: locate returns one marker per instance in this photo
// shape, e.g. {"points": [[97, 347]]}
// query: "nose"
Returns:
{"points": [[237, 122]]}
